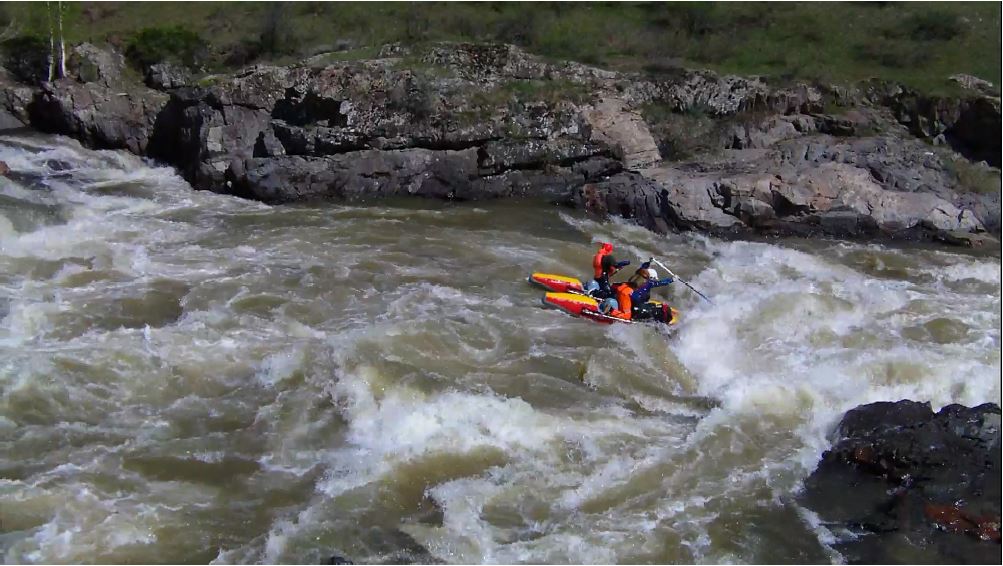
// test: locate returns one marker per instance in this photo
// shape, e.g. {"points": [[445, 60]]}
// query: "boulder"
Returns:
{"points": [[167, 76], [98, 116], [14, 100], [612, 124], [844, 187], [91, 64], [974, 83], [8, 121], [901, 480]]}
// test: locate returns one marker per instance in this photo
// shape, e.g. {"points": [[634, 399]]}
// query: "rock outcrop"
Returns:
{"points": [[98, 115], [858, 187], [14, 100], [91, 64], [467, 121], [903, 484], [369, 129]]}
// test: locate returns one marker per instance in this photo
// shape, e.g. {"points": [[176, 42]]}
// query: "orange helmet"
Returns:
{"points": [[608, 248]]}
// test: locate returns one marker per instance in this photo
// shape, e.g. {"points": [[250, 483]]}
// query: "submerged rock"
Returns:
{"points": [[903, 484]]}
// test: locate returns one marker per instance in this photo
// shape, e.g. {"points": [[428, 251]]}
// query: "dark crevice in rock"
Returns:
{"points": [[311, 109], [447, 144]]}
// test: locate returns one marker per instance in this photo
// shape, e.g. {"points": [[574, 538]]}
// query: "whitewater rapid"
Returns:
{"points": [[191, 377]]}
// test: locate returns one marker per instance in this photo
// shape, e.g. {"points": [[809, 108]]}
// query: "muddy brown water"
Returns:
{"points": [[190, 378]]}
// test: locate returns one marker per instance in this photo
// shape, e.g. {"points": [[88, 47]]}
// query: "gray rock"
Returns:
{"points": [[491, 121], [91, 64], [497, 156], [727, 95], [8, 121], [857, 188], [612, 124], [393, 50], [974, 83], [970, 124], [97, 115], [14, 98], [167, 76], [967, 239]]}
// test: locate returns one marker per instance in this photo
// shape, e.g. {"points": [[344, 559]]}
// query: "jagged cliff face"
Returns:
{"points": [[468, 121]]}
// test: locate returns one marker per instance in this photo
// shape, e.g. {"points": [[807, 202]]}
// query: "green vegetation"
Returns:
{"points": [[550, 92], [26, 56], [681, 135], [360, 54], [175, 44], [972, 177], [916, 43]]}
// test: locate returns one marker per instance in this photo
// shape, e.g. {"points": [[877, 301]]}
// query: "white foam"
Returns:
{"points": [[413, 364], [984, 271], [279, 367]]}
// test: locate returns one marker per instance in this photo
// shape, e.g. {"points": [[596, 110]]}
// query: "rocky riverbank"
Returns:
{"points": [[468, 121], [903, 484]]}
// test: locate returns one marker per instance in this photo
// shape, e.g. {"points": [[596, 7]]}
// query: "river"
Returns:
{"points": [[189, 377]]}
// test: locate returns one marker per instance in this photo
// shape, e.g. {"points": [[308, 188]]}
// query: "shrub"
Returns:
{"points": [[681, 135], [175, 44], [27, 56], [521, 27], [277, 36], [242, 53], [892, 54], [697, 18], [971, 177], [933, 26]]}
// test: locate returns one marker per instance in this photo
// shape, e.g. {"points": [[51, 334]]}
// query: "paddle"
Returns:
{"points": [[674, 276]]}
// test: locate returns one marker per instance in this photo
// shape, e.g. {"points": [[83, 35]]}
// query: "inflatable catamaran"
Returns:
{"points": [[568, 294]]}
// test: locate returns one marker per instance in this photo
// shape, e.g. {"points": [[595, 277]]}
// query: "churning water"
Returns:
{"points": [[189, 377]]}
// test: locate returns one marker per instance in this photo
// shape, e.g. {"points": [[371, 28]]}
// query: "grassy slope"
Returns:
{"points": [[836, 42]]}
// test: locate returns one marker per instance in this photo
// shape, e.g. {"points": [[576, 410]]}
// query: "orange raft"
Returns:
{"points": [[567, 294]]}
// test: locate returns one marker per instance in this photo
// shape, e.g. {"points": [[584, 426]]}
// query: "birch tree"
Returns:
{"points": [[52, 41], [62, 41]]}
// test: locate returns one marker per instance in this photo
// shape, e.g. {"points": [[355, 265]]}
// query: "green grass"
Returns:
{"points": [[358, 54], [681, 135], [971, 177], [550, 92], [916, 43]]}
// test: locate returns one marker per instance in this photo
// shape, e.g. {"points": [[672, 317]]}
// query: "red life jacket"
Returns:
{"points": [[604, 250]]}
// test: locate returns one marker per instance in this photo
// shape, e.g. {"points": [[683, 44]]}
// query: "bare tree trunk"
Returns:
{"points": [[62, 40], [52, 42]]}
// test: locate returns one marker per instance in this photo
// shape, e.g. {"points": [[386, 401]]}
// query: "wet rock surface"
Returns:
{"points": [[855, 187], [99, 116], [470, 121], [903, 484]]}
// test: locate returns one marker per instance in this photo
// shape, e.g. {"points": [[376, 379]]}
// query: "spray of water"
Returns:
{"points": [[192, 377]]}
